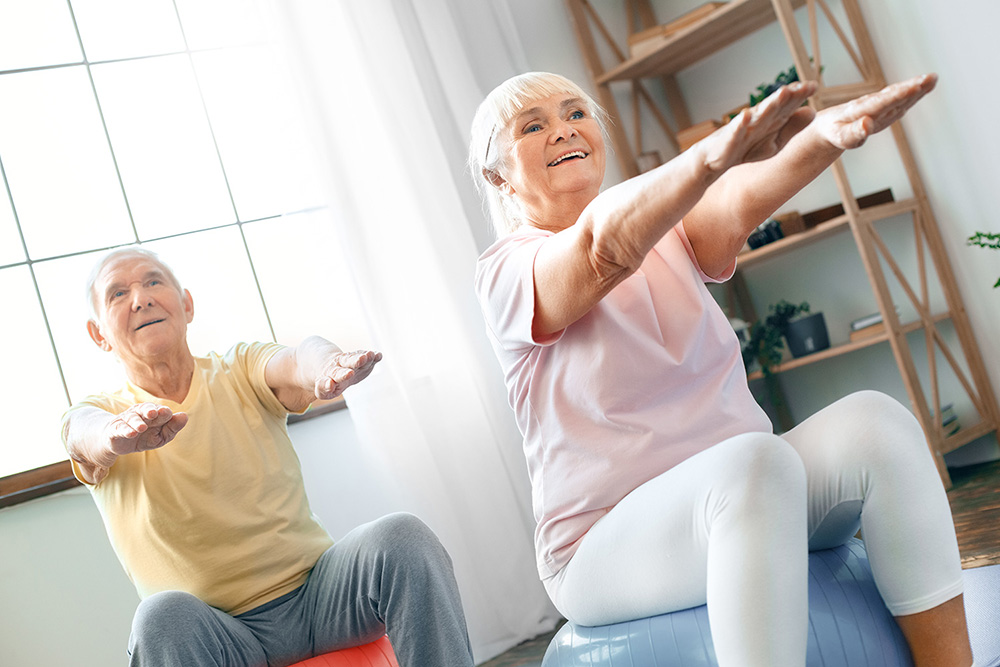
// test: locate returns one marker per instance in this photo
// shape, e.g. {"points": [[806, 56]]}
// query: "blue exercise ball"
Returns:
{"points": [[849, 626]]}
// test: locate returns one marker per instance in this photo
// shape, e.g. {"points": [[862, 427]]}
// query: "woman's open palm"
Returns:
{"points": [[850, 124]]}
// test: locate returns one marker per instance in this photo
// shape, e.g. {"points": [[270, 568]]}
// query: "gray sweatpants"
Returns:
{"points": [[388, 576]]}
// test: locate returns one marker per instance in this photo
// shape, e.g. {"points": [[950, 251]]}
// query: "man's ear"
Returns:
{"points": [[188, 305], [94, 329], [497, 181]]}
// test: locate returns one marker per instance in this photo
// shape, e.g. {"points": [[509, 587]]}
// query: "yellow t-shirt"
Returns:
{"points": [[221, 511]]}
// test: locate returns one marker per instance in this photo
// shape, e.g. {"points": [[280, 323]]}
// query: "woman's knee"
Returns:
{"points": [[763, 470], [876, 429]]}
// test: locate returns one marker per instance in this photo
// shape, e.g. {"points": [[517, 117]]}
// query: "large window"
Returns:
{"points": [[165, 123]]}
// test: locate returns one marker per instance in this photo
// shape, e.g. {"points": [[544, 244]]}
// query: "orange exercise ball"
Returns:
{"points": [[377, 654]]}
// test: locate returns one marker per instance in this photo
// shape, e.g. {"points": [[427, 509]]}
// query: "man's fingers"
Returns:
{"points": [[178, 421], [358, 359]]}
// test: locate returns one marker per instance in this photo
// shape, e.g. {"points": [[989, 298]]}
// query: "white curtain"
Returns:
{"points": [[390, 97]]}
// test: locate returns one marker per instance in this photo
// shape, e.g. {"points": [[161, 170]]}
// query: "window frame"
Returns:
{"points": [[58, 476]]}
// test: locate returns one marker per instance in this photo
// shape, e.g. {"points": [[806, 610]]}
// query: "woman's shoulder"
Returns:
{"points": [[526, 234]]}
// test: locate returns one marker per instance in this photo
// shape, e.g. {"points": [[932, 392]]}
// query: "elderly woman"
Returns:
{"points": [[657, 482]]}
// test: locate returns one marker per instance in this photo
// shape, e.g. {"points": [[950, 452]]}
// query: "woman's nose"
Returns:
{"points": [[562, 130]]}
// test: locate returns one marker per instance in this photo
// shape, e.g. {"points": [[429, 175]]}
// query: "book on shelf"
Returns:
{"points": [[867, 332], [866, 321]]}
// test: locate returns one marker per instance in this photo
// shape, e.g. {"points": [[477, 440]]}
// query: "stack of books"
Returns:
{"points": [[867, 326], [949, 420]]}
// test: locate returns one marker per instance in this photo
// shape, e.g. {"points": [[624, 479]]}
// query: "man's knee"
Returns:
{"points": [[402, 534], [409, 550], [165, 616]]}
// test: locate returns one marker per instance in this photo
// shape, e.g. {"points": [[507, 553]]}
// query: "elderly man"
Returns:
{"points": [[201, 492]]}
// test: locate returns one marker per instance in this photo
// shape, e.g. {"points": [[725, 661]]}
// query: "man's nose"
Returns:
{"points": [[141, 299]]}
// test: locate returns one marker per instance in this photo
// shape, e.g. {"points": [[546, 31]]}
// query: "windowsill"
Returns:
{"points": [[318, 409]]}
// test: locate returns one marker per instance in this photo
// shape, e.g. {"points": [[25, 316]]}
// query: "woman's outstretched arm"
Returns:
{"points": [[719, 224], [578, 266]]}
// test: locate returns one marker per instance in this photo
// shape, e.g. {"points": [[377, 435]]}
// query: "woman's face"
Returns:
{"points": [[557, 150]]}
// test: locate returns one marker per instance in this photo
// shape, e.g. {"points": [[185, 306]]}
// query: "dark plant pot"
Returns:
{"points": [[807, 335]]}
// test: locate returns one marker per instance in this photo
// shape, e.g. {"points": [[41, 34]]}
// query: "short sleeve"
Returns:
{"points": [[251, 359], [722, 277], [505, 286]]}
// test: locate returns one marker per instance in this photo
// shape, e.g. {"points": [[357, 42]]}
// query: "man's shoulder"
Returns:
{"points": [[243, 354]]}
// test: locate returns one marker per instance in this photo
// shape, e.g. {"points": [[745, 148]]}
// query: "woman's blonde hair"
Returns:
{"points": [[489, 148]]}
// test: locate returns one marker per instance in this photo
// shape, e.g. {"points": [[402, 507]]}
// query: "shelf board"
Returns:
{"points": [[822, 230], [728, 24], [828, 96], [965, 436], [846, 348]]}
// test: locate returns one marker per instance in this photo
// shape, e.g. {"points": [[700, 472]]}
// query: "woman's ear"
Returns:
{"points": [[497, 181]]}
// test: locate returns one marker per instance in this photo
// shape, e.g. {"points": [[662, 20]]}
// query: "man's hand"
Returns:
{"points": [[142, 427], [759, 132], [344, 369], [850, 124]]}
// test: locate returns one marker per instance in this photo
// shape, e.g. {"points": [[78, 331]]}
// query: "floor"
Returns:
{"points": [[975, 506]]}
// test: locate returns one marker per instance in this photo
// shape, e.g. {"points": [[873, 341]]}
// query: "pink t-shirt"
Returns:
{"points": [[649, 377]]}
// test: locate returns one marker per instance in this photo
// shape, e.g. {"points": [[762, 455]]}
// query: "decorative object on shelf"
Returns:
{"points": [[986, 240], [645, 41], [806, 335], [813, 218], [767, 232]]}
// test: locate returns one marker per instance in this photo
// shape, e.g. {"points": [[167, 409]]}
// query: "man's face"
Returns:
{"points": [[141, 314]]}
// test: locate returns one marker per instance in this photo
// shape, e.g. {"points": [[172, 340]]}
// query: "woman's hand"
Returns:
{"points": [[759, 132], [849, 125]]}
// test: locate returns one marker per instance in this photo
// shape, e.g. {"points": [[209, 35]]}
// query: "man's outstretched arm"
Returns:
{"points": [[316, 369], [95, 438]]}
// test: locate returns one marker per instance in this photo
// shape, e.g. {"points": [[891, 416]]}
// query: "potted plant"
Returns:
{"points": [[806, 335], [765, 343]]}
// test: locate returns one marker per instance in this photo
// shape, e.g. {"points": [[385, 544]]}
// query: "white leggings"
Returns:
{"points": [[731, 527]]}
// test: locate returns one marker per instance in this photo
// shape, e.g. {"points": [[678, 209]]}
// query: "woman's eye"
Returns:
{"points": [[577, 115], [534, 127], [117, 294]]}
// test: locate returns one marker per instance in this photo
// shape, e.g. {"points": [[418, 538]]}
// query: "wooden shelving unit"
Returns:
{"points": [[657, 66]]}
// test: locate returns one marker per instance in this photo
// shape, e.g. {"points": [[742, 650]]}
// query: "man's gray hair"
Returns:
{"points": [[123, 252]]}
